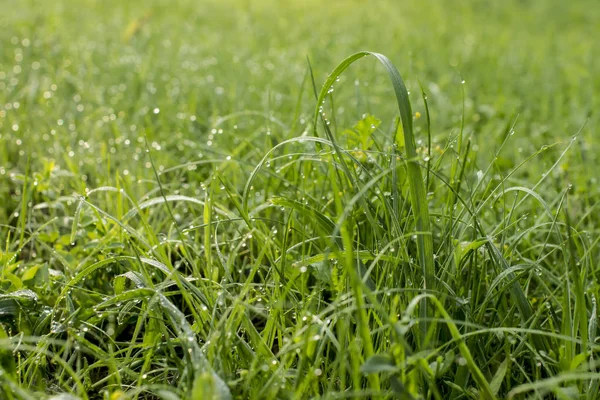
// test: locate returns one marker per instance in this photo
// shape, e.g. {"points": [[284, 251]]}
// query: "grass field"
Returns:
{"points": [[192, 207]]}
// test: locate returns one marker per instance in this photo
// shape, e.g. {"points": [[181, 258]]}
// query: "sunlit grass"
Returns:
{"points": [[189, 209]]}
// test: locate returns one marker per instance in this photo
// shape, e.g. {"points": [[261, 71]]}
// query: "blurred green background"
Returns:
{"points": [[82, 84]]}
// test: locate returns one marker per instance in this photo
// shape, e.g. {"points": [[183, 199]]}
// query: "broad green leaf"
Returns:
{"points": [[499, 376], [208, 385], [7, 359], [30, 273], [361, 134], [377, 364], [166, 395]]}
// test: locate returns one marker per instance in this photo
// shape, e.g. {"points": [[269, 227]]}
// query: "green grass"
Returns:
{"points": [[190, 209]]}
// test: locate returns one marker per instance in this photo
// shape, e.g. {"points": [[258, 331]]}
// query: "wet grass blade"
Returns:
{"points": [[418, 195]]}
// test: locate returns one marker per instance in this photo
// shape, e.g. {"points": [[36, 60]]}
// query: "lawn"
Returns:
{"points": [[194, 206]]}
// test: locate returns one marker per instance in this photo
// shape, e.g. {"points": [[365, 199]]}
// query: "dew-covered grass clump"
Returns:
{"points": [[233, 200]]}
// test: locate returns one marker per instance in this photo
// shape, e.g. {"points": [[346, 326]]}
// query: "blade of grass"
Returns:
{"points": [[417, 186]]}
